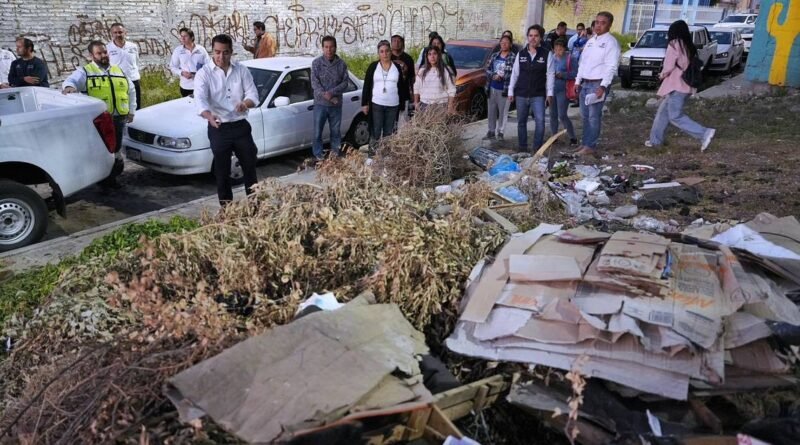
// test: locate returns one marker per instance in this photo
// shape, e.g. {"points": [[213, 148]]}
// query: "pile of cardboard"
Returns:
{"points": [[652, 314], [321, 369]]}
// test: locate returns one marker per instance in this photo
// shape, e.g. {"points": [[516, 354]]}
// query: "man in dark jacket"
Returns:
{"points": [[27, 71], [560, 31], [328, 80]]}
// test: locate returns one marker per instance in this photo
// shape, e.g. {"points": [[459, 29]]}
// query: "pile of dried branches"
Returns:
{"points": [[90, 365], [425, 152]]}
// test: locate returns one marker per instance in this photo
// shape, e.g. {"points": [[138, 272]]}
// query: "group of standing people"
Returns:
{"points": [[548, 73]]}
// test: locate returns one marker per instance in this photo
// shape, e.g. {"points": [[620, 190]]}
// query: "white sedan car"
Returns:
{"points": [[730, 49], [172, 138]]}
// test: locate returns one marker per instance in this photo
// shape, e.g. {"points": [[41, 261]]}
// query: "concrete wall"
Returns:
{"points": [[584, 11], [62, 29], [775, 53]]}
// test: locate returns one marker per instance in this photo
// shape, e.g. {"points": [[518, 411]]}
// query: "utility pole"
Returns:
{"points": [[535, 16]]}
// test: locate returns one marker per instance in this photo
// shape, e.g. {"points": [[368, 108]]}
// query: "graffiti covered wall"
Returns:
{"points": [[62, 30], [775, 53]]}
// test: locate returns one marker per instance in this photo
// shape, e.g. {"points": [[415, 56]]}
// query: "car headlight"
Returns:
{"points": [[625, 61], [461, 88], [722, 55], [178, 143]]}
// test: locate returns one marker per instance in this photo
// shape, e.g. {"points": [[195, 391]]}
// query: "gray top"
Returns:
{"points": [[328, 76]]}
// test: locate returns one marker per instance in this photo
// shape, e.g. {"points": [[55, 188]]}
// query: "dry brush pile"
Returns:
{"points": [[90, 364]]}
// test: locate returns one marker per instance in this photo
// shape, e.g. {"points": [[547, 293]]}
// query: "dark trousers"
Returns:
{"points": [[384, 122], [138, 94], [185, 93], [233, 138]]}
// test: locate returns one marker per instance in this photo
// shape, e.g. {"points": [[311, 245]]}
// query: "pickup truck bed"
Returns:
{"points": [[47, 137]]}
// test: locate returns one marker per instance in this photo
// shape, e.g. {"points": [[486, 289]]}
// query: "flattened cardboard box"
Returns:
{"points": [[304, 374]]}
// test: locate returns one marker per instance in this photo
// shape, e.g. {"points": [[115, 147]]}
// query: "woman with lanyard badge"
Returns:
{"points": [[384, 95]]}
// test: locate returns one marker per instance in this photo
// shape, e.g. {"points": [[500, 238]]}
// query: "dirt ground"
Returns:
{"points": [[749, 168]]}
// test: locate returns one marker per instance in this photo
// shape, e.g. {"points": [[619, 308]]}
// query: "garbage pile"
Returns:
{"points": [[662, 317]]}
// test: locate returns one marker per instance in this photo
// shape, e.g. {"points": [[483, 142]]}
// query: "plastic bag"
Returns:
{"points": [[504, 164], [513, 194]]}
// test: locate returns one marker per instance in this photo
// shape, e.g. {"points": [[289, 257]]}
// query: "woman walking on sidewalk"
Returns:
{"points": [[384, 95], [674, 90], [435, 85], [566, 68], [498, 77]]}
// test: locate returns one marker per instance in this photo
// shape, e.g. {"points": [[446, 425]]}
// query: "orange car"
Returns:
{"points": [[471, 58]]}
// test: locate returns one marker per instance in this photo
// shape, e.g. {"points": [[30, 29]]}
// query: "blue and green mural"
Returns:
{"points": [[775, 53]]}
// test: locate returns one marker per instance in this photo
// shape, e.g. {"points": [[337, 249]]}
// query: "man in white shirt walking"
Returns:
{"points": [[187, 59], [224, 91], [125, 54], [598, 65]]}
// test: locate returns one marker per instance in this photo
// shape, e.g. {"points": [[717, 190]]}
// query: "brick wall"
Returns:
{"points": [[775, 52], [62, 29]]}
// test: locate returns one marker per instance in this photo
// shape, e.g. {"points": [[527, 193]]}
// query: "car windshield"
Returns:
{"points": [[653, 39], [723, 38], [264, 80], [734, 19], [468, 57]]}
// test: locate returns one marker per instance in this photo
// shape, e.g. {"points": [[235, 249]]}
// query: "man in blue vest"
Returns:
{"points": [[531, 86], [108, 83]]}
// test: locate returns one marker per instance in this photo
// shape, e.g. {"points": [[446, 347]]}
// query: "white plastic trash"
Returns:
{"points": [[326, 302]]}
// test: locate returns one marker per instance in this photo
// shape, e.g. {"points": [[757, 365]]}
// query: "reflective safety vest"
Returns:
{"points": [[111, 87]]}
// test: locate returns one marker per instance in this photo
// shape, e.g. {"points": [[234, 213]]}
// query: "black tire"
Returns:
{"points": [[23, 215], [358, 134], [626, 82], [478, 105]]}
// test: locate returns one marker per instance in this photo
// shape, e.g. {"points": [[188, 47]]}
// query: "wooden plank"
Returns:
{"points": [[706, 416], [442, 425], [546, 146], [507, 225]]}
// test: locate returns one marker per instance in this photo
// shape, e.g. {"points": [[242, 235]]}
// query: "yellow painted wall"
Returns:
{"points": [[514, 17]]}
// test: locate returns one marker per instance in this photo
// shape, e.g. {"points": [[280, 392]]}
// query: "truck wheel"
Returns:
{"points": [[23, 216], [359, 132], [626, 82]]}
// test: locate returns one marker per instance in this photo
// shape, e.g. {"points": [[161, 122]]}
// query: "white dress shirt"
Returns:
{"points": [[126, 58], [219, 93], [192, 61], [77, 80], [550, 80], [6, 57], [599, 59]]}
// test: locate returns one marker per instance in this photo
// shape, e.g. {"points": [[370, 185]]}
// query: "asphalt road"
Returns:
{"points": [[144, 190]]}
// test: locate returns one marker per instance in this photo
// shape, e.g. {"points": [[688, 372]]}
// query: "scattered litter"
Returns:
{"points": [[443, 189], [690, 181], [587, 185], [483, 157], [626, 211], [665, 198], [649, 181], [653, 185], [326, 302], [650, 224], [641, 167], [587, 171], [743, 237], [503, 164], [599, 198], [512, 194]]}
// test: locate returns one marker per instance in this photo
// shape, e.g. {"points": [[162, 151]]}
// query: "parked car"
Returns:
{"points": [[471, 58], [745, 24], [730, 49], [643, 62], [171, 137], [65, 141]]}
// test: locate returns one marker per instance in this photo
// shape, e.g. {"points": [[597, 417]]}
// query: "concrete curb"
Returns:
{"points": [[55, 250]]}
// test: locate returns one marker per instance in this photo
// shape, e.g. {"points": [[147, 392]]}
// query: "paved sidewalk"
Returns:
{"points": [[55, 250]]}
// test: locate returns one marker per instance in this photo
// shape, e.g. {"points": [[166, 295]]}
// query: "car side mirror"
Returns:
{"points": [[632, 45], [281, 101]]}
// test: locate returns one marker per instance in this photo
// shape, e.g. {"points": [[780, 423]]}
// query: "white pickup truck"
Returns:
{"points": [[47, 138]]}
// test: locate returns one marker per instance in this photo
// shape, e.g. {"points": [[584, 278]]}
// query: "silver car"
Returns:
{"points": [[730, 49], [172, 138]]}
